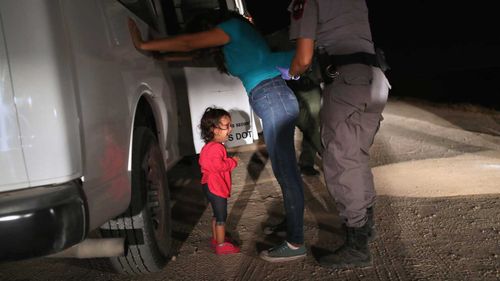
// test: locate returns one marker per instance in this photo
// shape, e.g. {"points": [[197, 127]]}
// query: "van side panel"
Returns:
{"points": [[12, 170], [105, 61], [76, 82], [43, 91], [107, 95]]}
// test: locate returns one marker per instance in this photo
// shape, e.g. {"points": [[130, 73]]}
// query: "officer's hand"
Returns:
{"points": [[285, 74]]}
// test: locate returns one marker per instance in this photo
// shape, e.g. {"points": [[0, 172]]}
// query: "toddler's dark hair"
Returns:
{"points": [[210, 120]]}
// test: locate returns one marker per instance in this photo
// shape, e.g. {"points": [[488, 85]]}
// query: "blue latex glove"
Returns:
{"points": [[285, 74]]}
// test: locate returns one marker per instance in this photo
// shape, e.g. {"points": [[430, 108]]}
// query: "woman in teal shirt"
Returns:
{"points": [[240, 50]]}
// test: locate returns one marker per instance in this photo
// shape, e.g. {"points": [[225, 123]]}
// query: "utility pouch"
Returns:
{"points": [[382, 62]]}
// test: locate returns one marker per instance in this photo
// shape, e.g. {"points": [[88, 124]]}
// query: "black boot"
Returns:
{"points": [[371, 223], [354, 252]]}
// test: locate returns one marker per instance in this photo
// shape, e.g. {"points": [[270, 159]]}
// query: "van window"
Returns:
{"points": [[178, 12], [146, 10]]}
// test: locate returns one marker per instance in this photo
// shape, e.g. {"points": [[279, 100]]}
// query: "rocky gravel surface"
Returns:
{"points": [[437, 216]]}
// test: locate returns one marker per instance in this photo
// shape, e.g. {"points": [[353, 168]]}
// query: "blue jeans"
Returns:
{"points": [[278, 108]]}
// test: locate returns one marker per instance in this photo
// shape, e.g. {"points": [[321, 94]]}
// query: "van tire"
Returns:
{"points": [[146, 225]]}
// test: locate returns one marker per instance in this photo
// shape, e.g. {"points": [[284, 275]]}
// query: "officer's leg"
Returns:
{"points": [[370, 126], [308, 123], [342, 116], [311, 101], [307, 158], [342, 162]]}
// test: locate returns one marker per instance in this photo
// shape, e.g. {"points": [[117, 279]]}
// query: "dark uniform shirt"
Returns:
{"points": [[341, 26]]}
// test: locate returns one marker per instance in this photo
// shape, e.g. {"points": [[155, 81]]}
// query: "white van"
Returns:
{"points": [[88, 127]]}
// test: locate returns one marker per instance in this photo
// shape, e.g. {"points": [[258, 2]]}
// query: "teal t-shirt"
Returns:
{"points": [[248, 56]]}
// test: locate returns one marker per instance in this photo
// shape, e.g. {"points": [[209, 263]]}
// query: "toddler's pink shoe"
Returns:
{"points": [[213, 242], [226, 248]]}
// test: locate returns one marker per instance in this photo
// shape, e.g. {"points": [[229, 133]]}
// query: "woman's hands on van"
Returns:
{"points": [[135, 33]]}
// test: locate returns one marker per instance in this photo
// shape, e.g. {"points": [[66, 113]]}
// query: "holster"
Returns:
{"points": [[327, 68], [329, 63]]}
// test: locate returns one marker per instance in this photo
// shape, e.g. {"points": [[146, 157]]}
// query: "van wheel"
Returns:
{"points": [[146, 225]]}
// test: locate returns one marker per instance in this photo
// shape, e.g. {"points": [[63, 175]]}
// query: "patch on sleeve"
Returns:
{"points": [[298, 9]]}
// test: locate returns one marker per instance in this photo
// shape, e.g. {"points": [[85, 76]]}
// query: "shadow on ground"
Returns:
{"points": [[189, 202]]}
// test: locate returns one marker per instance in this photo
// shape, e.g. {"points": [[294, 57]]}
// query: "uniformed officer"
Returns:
{"points": [[354, 97]]}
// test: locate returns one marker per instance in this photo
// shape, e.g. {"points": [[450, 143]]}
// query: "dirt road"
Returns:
{"points": [[437, 173]]}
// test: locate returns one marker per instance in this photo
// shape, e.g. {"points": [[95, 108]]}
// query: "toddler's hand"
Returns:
{"points": [[236, 158]]}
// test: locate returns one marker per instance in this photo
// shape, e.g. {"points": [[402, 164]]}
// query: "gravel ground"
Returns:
{"points": [[437, 173]]}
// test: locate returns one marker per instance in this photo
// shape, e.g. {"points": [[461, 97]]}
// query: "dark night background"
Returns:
{"points": [[442, 51]]}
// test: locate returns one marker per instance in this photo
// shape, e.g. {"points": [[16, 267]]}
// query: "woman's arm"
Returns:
{"points": [[181, 43]]}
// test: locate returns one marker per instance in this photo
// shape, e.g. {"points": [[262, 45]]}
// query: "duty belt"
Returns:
{"points": [[362, 58], [330, 63]]}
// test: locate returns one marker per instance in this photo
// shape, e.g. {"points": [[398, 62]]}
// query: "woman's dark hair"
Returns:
{"points": [[211, 120], [206, 20]]}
